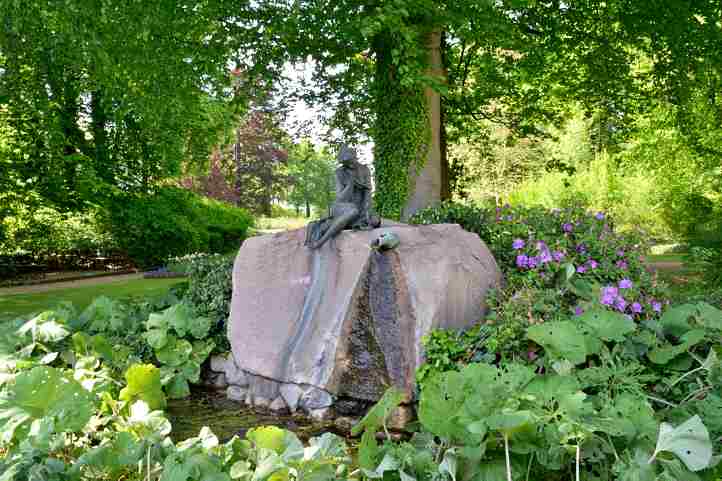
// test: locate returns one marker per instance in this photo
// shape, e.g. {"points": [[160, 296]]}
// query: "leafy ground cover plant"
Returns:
{"points": [[209, 290], [73, 406], [581, 317]]}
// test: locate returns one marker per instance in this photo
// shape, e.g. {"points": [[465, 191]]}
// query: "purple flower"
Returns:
{"points": [[581, 248], [541, 245], [656, 306], [558, 256], [622, 265], [625, 284], [522, 261], [620, 304], [567, 227], [620, 253], [610, 291], [517, 244], [593, 264], [581, 269], [533, 262], [578, 311], [508, 217], [636, 307], [607, 299], [599, 216], [545, 257]]}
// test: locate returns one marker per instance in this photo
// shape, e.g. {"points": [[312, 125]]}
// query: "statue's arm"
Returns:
{"points": [[343, 189]]}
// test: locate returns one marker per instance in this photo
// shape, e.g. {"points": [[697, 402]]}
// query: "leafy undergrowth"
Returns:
{"points": [[587, 367], [82, 397]]}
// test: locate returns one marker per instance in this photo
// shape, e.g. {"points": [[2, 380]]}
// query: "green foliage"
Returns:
{"points": [[311, 174], [47, 231], [100, 97], [143, 383], [173, 222], [178, 337], [401, 137], [209, 291], [43, 401]]}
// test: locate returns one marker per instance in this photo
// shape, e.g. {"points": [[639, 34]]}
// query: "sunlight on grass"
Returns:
{"points": [[16, 305], [281, 223]]}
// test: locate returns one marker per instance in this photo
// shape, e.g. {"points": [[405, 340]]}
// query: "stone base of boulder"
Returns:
{"points": [[327, 331]]}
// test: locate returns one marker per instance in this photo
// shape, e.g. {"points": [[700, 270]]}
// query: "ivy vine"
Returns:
{"points": [[400, 133]]}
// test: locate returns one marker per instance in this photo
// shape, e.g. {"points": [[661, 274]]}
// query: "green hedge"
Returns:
{"points": [[173, 222]]}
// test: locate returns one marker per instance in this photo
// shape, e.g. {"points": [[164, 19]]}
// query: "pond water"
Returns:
{"points": [[227, 418]]}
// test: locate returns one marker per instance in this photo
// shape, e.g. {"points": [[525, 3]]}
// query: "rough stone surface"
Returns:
{"points": [[291, 395], [218, 362], [316, 399], [400, 417], [277, 405], [236, 393], [234, 375], [345, 319], [219, 381]]}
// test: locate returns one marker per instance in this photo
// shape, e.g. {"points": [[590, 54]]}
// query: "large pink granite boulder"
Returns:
{"points": [[346, 321]]}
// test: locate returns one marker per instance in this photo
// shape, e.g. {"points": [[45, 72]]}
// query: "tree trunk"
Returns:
{"points": [[426, 185], [100, 137], [308, 209]]}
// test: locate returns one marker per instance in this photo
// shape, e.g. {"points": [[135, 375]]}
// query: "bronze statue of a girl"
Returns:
{"points": [[352, 208]]}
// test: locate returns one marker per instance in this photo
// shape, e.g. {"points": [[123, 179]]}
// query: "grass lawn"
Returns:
{"points": [[680, 257], [16, 305]]}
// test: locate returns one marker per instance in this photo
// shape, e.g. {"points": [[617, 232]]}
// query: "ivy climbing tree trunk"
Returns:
{"points": [[426, 184], [407, 134]]}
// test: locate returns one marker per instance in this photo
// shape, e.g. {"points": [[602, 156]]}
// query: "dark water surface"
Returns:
{"points": [[227, 418]]}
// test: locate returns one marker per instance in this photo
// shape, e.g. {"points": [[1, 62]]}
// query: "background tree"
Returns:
{"points": [[311, 178], [259, 157], [105, 96], [509, 61]]}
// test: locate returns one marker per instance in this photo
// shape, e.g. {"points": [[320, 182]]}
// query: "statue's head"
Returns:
{"points": [[347, 156]]}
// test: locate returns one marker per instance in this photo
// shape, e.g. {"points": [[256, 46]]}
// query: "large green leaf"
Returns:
{"points": [[145, 423], [510, 422], [144, 384], [608, 325], [675, 320], [709, 316], [177, 387], [689, 441], [156, 338], [175, 352], [268, 437], [122, 451], [104, 314], [199, 327], [376, 416], [561, 340], [441, 399], [664, 354], [43, 394], [45, 327]]}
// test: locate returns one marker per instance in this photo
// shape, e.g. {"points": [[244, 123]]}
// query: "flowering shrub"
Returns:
{"points": [[571, 250]]}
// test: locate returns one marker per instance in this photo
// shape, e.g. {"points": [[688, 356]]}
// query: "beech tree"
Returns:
{"points": [[405, 70]]}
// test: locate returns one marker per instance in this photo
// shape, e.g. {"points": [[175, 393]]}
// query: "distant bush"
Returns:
{"points": [[46, 231], [174, 222]]}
